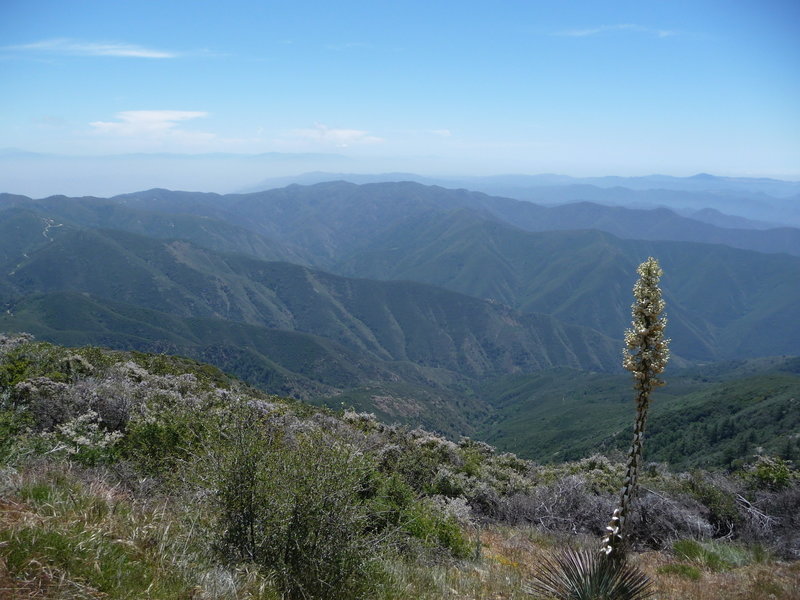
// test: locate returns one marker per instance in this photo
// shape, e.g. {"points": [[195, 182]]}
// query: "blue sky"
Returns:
{"points": [[573, 87]]}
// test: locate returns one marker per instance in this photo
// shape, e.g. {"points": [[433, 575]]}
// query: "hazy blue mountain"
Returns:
{"points": [[315, 177], [443, 298], [388, 320], [650, 224], [701, 182], [206, 231], [723, 302], [330, 220], [770, 200], [715, 217]]}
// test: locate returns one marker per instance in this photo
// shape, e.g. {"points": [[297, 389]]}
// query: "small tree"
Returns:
{"points": [[645, 354]]}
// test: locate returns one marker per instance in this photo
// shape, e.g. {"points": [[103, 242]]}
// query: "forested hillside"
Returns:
{"points": [[441, 299], [711, 416]]}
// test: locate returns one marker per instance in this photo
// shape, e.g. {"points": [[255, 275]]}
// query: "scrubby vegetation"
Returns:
{"points": [[127, 475]]}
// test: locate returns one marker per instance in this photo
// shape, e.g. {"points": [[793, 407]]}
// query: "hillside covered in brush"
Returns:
{"points": [[127, 474]]}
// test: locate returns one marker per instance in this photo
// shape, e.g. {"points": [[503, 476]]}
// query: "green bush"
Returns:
{"points": [[390, 502], [771, 473], [721, 504], [13, 423], [157, 442], [395, 507], [40, 359], [13, 369], [163, 364], [296, 507], [437, 531], [419, 464]]}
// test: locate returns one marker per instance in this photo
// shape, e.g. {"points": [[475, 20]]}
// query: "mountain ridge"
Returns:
{"points": [[381, 332], [266, 213]]}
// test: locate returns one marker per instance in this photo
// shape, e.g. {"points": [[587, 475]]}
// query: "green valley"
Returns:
{"points": [[709, 416], [453, 309]]}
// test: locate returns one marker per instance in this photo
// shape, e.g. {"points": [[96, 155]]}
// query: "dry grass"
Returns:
{"points": [[769, 581], [510, 556], [104, 523], [500, 574], [65, 536]]}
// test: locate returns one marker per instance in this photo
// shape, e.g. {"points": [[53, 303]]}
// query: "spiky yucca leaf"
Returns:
{"points": [[589, 575]]}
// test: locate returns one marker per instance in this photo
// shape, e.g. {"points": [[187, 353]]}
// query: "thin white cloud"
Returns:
{"points": [[79, 48], [153, 125], [442, 132], [342, 138], [662, 33]]}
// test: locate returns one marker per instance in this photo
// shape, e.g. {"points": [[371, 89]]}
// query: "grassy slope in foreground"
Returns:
{"points": [[134, 518]]}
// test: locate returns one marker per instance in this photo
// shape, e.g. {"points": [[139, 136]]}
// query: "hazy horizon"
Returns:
{"points": [[445, 89], [111, 175]]}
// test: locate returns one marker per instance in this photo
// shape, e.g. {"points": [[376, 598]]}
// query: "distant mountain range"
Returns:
{"points": [[418, 302], [762, 202], [106, 175], [548, 260], [700, 183], [301, 216]]}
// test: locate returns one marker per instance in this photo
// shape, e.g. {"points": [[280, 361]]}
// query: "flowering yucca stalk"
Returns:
{"points": [[646, 354], [605, 575]]}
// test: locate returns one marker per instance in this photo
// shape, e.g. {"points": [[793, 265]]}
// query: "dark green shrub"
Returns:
{"points": [[13, 423], [437, 531], [394, 507], [29, 359], [721, 504], [13, 369], [164, 432], [154, 446], [295, 506], [769, 473], [390, 501], [163, 364]]}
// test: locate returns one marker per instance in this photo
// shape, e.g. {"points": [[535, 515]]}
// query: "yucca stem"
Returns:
{"points": [[646, 355]]}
